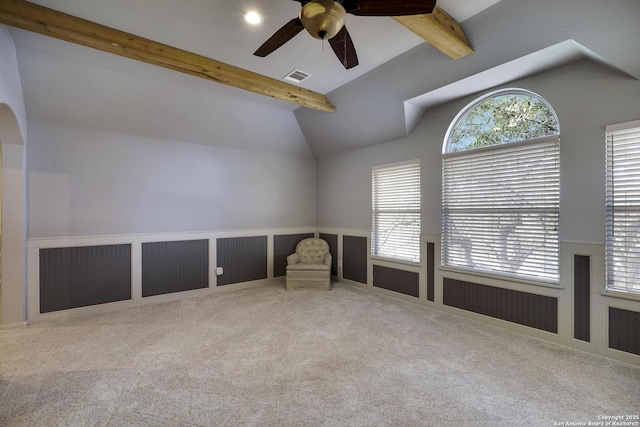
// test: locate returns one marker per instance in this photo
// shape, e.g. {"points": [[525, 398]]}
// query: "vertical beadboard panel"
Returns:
{"points": [[536, 311], [332, 240], [283, 246], [431, 265], [392, 279], [176, 266], [243, 259], [354, 258], [582, 297], [83, 276], [624, 330]]}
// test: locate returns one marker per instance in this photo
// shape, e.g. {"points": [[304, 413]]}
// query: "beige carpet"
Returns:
{"points": [[268, 357]]}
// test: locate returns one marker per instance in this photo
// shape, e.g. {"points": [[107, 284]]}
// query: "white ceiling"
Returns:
{"points": [[71, 85]]}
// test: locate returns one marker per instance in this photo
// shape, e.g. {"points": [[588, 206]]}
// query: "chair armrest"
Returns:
{"points": [[327, 259], [293, 259]]}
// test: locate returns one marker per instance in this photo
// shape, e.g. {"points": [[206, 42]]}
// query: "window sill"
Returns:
{"points": [[506, 278], [395, 261], [621, 295]]}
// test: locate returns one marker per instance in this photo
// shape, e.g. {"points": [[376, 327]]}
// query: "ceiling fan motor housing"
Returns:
{"points": [[323, 19]]}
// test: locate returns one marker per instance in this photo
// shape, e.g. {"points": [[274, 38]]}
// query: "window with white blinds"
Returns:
{"points": [[396, 211], [500, 209], [623, 208]]}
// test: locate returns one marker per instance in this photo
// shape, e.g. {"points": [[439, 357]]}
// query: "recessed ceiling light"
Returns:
{"points": [[252, 17]]}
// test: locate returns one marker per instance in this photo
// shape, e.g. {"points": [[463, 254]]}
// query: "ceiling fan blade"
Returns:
{"points": [[280, 37], [388, 7], [344, 49]]}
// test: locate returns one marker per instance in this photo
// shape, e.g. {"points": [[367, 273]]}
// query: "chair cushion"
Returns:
{"points": [[307, 266]]}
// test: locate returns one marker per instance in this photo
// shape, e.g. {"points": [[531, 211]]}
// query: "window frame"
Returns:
{"points": [[611, 253], [543, 142], [375, 212], [494, 94]]}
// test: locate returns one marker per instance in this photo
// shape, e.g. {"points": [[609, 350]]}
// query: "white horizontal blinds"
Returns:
{"points": [[501, 207], [623, 210], [396, 211]]}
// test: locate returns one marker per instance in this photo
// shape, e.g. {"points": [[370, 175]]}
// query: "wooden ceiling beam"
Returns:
{"points": [[440, 30], [31, 17]]}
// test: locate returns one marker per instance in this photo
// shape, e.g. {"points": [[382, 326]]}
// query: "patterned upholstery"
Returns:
{"points": [[312, 250], [310, 266]]}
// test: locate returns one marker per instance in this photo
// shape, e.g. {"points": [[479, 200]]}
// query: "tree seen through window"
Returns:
{"points": [[502, 119]]}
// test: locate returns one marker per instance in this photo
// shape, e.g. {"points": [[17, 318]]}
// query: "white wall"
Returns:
{"points": [[84, 183], [585, 95], [12, 137]]}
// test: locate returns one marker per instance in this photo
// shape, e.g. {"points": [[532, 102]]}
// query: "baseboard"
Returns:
{"points": [[14, 325], [382, 291], [158, 299], [553, 338]]}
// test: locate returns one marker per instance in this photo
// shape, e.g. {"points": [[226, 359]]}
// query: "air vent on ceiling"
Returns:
{"points": [[297, 76]]}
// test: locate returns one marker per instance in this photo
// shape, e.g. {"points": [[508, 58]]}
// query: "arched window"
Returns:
{"points": [[501, 187]]}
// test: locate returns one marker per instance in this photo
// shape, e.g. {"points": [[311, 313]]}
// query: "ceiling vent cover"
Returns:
{"points": [[297, 76]]}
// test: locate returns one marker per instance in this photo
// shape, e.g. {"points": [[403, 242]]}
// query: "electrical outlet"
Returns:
{"points": [[219, 271]]}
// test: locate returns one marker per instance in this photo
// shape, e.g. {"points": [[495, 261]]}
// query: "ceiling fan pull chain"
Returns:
{"points": [[344, 44]]}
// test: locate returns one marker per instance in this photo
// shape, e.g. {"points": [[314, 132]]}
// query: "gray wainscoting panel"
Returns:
{"points": [[243, 259], [83, 276], [354, 258], [581, 297], [404, 282], [283, 246], [431, 270], [169, 267], [536, 311], [332, 240], [624, 330]]}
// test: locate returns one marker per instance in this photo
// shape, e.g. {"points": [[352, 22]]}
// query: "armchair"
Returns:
{"points": [[310, 266]]}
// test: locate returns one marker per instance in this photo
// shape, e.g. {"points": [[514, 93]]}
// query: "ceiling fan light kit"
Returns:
{"points": [[323, 19]]}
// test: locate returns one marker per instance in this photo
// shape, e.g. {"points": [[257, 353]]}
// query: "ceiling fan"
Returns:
{"points": [[324, 20]]}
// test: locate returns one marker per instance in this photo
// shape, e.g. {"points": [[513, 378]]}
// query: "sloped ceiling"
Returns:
{"points": [[371, 108], [75, 86]]}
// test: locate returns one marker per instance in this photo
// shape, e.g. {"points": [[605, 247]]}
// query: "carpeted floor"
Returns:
{"points": [[268, 357]]}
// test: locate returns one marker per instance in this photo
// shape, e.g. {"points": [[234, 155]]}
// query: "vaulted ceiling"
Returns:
{"points": [[399, 76]]}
